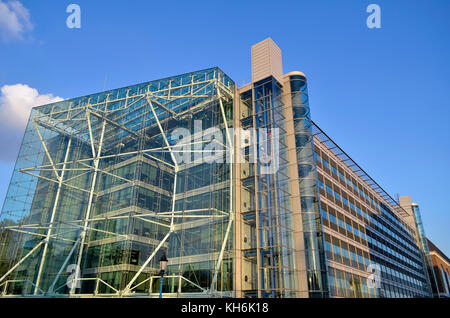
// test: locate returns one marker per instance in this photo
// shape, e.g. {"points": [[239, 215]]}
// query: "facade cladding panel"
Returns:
{"points": [[104, 186]]}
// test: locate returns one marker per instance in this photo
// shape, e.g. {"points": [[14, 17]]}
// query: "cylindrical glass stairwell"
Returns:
{"points": [[423, 244], [307, 174]]}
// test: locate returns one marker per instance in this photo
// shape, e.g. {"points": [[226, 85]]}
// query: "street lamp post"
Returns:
{"points": [[163, 266]]}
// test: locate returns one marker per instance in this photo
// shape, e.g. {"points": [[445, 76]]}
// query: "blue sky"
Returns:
{"points": [[381, 94]]}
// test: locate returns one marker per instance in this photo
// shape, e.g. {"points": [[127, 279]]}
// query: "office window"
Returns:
{"points": [[337, 195], [332, 218], [345, 201], [349, 228], [321, 185], [341, 223], [324, 213], [334, 170], [325, 163], [329, 190]]}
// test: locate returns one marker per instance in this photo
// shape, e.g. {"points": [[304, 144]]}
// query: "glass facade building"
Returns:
{"points": [[237, 186], [99, 186], [364, 226]]}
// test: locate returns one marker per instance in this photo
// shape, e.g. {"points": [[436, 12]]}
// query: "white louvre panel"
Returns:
{"points": [[266, 60]]}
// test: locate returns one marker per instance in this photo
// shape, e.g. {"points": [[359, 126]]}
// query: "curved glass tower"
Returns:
{"points": [[307, 182], [423, 244]]}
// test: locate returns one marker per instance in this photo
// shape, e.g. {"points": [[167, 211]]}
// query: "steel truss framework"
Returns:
{"points": [[78, 191]]}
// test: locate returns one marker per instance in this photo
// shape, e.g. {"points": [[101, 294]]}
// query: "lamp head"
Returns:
{"points": [[163, 264]]}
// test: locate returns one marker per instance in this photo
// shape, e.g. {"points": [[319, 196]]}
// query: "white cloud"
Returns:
{"points": [[16, 102], [14, 20]]}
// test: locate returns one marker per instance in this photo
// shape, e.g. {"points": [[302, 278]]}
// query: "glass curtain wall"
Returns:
{"points": [[270, 217], [99, 193]]}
